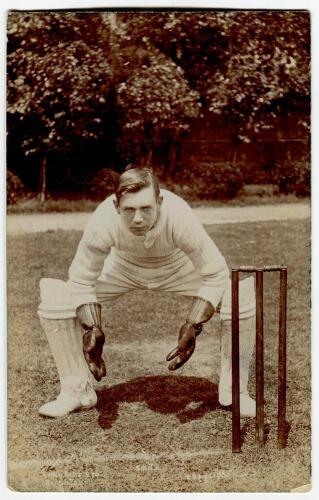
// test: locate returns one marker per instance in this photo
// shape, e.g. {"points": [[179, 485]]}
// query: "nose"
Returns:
{"points": [[137, 219]]}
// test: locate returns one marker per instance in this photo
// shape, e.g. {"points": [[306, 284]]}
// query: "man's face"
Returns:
{"points": [[139, 210]]}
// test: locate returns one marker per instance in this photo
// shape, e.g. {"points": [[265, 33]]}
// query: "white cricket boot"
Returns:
{"points": [[247, 337], [77, 392]]}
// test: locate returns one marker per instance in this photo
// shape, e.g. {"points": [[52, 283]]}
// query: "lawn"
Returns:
{"points": [[153, 430]]}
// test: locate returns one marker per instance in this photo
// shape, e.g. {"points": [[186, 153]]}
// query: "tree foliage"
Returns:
{"points": [[153, 93], [59, 84], [77, 77], [242, 63], [157, 96], [268, 65]]}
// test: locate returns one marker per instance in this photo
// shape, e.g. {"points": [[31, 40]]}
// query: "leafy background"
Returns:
{"points": [[94, 90]]}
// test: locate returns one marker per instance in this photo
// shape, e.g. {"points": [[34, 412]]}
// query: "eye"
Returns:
{"points": [[128, 210]]}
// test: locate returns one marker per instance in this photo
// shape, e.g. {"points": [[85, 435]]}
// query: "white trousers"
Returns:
{"points": [[119, 277]]}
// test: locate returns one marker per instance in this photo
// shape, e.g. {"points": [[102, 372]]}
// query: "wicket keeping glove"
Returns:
{"points": [[89, 316], [201, 311]]}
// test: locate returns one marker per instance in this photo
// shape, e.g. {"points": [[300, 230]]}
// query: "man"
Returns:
{"points": [[148, 239]]}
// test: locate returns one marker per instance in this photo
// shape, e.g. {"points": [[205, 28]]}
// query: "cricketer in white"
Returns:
{"points": [[148, 239]]}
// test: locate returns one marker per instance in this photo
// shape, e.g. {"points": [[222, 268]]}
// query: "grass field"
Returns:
{"points": [[152, 430]]}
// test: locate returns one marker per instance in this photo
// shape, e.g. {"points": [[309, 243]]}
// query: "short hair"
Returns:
{"points": [[135, 178]]}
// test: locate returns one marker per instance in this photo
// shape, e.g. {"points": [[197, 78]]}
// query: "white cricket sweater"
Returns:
{"points": [[177, 231]]}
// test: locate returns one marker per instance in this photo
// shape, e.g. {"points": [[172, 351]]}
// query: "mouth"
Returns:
{"points": [[138, 230]]}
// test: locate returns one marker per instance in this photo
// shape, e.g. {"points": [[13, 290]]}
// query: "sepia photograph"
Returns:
{"points": [[158, 250]]}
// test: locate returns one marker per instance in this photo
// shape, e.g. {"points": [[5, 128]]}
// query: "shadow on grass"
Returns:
{"points": [[188, 398]]}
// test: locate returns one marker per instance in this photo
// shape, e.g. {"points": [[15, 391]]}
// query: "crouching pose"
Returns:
{"points": [[140, 238]]}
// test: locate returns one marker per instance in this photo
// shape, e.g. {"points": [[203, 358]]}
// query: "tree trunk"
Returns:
{"points": [[172, 159], [235, 153], [149, 155], [43, 180], [233, 157], [113, 27]]}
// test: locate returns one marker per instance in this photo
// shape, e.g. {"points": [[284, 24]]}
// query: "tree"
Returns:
{"points": [[76, 78], [267, 68], [154, 98], [59, 83], [247, 65]]}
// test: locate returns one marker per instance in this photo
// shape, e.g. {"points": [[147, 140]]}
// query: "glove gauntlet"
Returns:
{"points": [[201, 312], [89, 316]]}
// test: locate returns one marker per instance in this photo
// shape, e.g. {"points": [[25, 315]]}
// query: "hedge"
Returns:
{"points": [[211, 181]]}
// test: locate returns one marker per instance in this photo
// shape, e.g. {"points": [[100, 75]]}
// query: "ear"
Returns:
{"points": [[116, 205]]}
